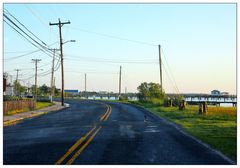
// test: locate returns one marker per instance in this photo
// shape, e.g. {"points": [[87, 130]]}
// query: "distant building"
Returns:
{"points": [[215, 92], [224, 93], [7, 88], [9, 91], [103, 92], [72, 92]]}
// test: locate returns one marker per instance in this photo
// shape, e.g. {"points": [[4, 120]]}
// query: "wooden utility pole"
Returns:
{"points": [[160, 66], [52, 77], [60, 24], [16, 91], [17, 73], [120, 76], [54, 86], [85, 85], [36, 62]]}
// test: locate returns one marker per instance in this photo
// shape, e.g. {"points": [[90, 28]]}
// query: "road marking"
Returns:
{"points": [[83, 147], [110, 111], [105, 112], [82, 139], [79, 142]]}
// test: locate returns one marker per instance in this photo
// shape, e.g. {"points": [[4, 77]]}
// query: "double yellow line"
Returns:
{"points": [[87, 139], [107, 113]]}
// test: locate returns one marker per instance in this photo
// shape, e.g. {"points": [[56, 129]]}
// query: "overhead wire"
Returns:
{"points": [[26, 38], [22, 25], [112, 36], [19, 56], [171, 74], [37, 44], [85, 59]]}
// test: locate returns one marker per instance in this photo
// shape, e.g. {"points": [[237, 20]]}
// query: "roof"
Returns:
{"points": [[71, 91]]}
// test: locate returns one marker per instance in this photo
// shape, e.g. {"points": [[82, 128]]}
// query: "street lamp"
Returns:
{"points": [[69, 41]]}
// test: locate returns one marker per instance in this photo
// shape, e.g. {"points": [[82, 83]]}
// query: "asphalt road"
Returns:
{"points": [[96, 133]]}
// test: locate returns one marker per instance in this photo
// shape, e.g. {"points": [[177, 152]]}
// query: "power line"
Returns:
{"points": [[171, 74], [24, 31], [114, 37], [95, 72], [24, 26], [26, 38], [105, 59], [38, 18], [19, 56], [35, 41], [112, 61], [12, 52]]}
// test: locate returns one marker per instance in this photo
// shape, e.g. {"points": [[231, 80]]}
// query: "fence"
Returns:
{"points": [[18, 105]]}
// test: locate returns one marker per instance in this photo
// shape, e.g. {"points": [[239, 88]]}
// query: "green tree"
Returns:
{"points": [[19, 89], [44, 90], [57, 92], [149, 91]]}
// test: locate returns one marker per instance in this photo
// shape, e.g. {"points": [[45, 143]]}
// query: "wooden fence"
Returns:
{"points": [[18, 105]]}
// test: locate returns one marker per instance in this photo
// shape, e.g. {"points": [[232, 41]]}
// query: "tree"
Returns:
{"points": [[44, 89], [57, 91], [149, 91], [19, 89]]}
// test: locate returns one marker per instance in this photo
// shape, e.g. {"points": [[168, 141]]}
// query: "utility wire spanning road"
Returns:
{"points": [[92, 133]]}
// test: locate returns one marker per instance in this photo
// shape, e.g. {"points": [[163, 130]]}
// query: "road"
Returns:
{"points": [[102, 133]]}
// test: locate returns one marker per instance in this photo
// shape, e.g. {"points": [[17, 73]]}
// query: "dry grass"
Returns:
{"points": [[231, 111]]}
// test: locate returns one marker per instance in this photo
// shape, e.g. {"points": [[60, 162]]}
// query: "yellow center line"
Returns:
{"points": [[82, 139], [110, 111], [105, 113], [83, 147], [79, 142]]}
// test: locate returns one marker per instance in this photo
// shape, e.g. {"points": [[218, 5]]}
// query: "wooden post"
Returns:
{"points": [[170, 102], [205, 108], [200, 108]]}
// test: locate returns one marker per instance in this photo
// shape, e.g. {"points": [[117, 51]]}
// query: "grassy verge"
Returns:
{"points": [[218, 127], [43, 104], [39, 105]]}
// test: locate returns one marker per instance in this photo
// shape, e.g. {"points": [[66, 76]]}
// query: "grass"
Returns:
{"points": [[39, 105], [218, 127], [43, 104]]}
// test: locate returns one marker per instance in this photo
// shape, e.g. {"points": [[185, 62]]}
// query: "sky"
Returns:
{"points": [[198, 45]]}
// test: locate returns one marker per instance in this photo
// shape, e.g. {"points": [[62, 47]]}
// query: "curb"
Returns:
{"points": [[17, 120]]}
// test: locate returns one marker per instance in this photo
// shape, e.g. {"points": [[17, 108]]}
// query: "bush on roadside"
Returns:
{"points": [[123, 98]]}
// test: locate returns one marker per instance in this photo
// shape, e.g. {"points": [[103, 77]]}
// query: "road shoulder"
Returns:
{"points": [[13, 119], [179, 128]]}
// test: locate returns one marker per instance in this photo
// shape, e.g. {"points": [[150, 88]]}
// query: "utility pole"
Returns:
{"points": [[160, 66], [52, 77], [17, 73], [60, 24], [120, 76], [16, 91], [36, 62], [85, 85], [54, 86]]}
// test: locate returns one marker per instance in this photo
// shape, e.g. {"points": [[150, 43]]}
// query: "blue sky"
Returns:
{"points": [[198, 43]]}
